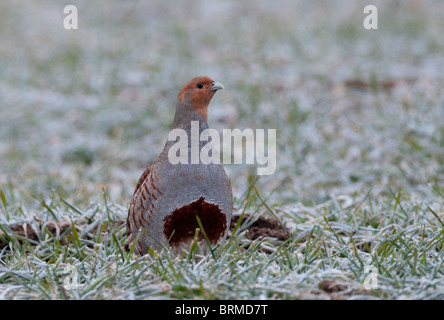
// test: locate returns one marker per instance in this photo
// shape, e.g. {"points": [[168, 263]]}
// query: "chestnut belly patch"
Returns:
{"points": [[180, 225]]}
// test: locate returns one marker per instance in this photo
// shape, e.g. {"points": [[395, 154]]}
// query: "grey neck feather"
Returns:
{"points": [[185, 113]]}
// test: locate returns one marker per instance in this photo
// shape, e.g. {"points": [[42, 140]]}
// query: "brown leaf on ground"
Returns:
{"points": [[332, 286], [263, 227], [27, 231]]}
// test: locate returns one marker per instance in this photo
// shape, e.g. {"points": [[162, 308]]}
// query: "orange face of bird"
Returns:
{"points": [[199, 92]]}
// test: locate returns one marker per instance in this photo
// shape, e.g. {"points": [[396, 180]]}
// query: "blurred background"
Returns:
{"points": [[355, 109]]}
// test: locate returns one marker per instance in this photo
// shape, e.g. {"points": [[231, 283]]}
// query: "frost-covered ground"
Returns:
{"points": [[360, 137]]}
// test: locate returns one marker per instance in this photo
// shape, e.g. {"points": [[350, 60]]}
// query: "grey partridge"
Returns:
{"points": [[168, 197]]}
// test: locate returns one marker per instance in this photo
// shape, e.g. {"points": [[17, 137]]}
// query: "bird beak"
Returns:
{"points": [[216, 86]]}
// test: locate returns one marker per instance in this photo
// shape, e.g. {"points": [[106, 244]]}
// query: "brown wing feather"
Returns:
{"points": [[142, 179], [131, 213]]}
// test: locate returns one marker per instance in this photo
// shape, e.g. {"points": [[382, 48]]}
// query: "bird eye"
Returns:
{"points": [[200, 85]]}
